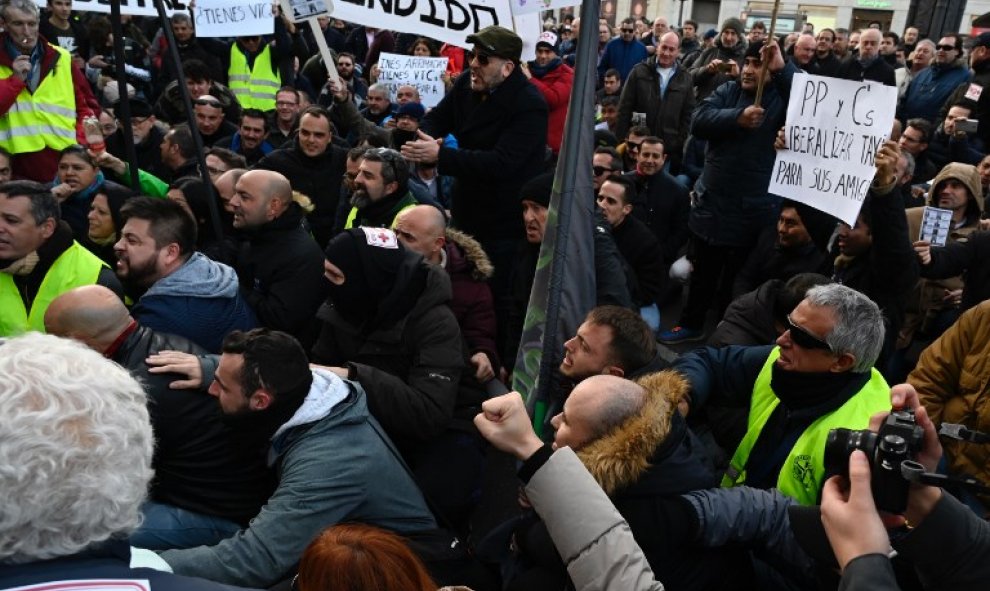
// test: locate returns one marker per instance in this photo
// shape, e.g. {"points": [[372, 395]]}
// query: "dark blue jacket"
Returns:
{"points": [[108, 561], [622, 56], [930, 89], [731, 199]]}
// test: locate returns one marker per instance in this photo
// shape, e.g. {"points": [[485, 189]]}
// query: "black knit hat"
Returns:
{"points": [[538, 189]]}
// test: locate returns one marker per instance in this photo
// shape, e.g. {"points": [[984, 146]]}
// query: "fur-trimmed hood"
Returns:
{"points": [[655, 441], [474, 254]]}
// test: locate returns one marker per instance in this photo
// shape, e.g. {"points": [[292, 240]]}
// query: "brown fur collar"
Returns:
{"points": [[622, 455], [482, 267]]}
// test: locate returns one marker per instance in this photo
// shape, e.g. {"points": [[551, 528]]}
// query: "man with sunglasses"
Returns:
{"points": [[500, 121], [930, 88], [622, 52], [210, 121], [818, 376]]}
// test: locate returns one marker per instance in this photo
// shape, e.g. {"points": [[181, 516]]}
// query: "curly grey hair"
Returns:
{"points": [[75, 448], [859, 326]]}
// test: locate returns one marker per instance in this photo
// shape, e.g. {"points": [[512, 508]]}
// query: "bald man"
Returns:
{"points": [[636, 445], [804, 53], [206, 486], [423, 229], [280, 265]]}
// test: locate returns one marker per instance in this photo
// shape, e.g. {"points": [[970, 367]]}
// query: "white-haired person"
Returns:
{"points": [[75, 451]]}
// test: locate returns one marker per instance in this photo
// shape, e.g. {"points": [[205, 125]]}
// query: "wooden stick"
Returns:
{"points": [[764, 64]]}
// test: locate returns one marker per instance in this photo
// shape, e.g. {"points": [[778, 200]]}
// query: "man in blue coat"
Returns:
{"points": [[931, 87], [622, 52]]}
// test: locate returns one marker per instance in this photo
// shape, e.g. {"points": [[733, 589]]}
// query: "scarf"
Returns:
{"points": [[87, 193], [23, 266], [541, 71], [801, 390]]}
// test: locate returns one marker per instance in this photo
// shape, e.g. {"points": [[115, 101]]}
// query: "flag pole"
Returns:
{"points": [[764, 64]]}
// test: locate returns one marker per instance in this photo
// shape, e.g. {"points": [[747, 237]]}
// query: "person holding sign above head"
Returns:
{"points": [[732, 205]]}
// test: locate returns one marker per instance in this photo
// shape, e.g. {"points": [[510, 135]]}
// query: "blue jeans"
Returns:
{"points": [[166, 527], [651, 314]]}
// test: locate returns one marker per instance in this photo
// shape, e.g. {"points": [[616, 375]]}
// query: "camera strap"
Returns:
{"points": [[914, 472], [962, 433]]}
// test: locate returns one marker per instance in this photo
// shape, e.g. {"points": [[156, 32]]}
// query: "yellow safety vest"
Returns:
{"points": [[403, 204], [45, 119], [803, 473], [255, 88], [73, 268]]}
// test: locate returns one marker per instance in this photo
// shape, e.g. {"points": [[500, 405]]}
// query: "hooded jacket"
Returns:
{"points": [[644, 465], [927, 298], [472, 303], [201, 301], [333, 465]]}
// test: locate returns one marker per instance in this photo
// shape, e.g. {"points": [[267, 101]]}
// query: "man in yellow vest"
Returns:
{"points": [[818, 376], [43, 96], [39, 260], [253, 67], [381, 190]]}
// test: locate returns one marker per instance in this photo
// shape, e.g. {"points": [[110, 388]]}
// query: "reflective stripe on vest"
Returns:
{"points": [[255, 88], [352, 216], [73, 268], [803, 473], [45, 119]]}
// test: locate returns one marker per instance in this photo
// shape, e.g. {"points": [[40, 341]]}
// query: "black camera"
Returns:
{"points": [[899, 440]]}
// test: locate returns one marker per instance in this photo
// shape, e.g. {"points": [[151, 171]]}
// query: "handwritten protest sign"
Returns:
{"points": [[424, 73], [448, 21], [226, 18], [135, 7], [833, 132]]}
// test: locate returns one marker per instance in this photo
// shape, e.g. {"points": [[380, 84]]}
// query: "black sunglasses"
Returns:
{"points": [[208, 103], [633, 146], [483, 58], [804, 339], [945, 47], [628, 30], [600, 170]]}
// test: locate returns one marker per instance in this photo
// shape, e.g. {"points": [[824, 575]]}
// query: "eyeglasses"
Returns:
{"points": [[600, 170], [208, 103], [945, 47], [483, 58], [804, 339]]}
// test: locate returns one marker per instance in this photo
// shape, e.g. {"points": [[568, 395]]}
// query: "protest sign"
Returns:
{"points": [[424, 73], [447, 21], [833, 132], [227, 18], [301, 10], [135, 7]]}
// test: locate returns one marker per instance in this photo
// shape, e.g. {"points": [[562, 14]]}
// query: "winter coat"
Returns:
{"points": [[110, 560], [172, 110], [644, 465], [930, 88], [768, 261], [663, 205], [502, 144], [732, 204], [878, 71], [927, 298], [828, 65], [943, 149], [705, 82], [318, 178], [148, 152], [748, 320], [334, 465], [966, 258], [622, 56], [951, 377], [280, 269], [201, 301], [974, 87], [411, 369], [198, 466], [668, 117], [555, 86], [592, 537], [472, 303], [644, 261]]}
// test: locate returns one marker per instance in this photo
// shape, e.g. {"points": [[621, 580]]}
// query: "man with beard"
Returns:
{"points": [[381, 190], [251, 138], [207, 486], [175, 289], [867, 64], [332, 461], [148, 138], [316, 168], [279, 264], [378, 105], [38, 257], [554, 80], [500, 121]]}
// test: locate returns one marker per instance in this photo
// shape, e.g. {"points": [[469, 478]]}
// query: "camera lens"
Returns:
{"points": [[842, 442]]}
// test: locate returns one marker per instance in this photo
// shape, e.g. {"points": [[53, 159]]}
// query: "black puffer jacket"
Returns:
{"points": [[280, 269], [410, 369], [318, 178], [198, 465]]}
